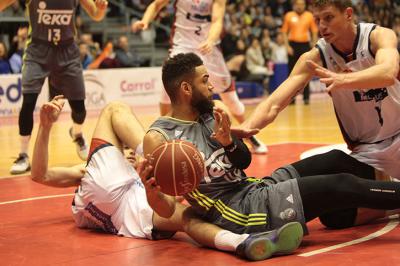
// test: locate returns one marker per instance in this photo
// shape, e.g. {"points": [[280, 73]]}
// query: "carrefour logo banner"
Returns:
{"points": [[134, 86]]}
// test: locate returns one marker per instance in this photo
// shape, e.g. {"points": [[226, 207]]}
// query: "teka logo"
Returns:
{"points": [[12, 92], [54, 16]]}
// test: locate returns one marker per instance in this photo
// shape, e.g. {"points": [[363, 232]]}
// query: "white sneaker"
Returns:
{"points": [[21, 165], [81, 147], [257, 146]]}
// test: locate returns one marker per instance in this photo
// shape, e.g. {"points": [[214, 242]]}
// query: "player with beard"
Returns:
{"points": [[226, 196]]}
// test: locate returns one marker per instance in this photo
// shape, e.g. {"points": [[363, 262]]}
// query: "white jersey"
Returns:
{"points": [[365, 116], [192, 22], [112, 197]]}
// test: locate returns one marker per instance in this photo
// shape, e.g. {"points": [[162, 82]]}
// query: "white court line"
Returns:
{"points": [[35, 198], [389, 227]]}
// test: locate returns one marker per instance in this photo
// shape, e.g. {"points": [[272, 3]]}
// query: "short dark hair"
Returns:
{"points": [[339, 4], [178, 68]]}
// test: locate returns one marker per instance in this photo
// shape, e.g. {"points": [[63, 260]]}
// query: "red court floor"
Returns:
{"points": [[36, 228]]}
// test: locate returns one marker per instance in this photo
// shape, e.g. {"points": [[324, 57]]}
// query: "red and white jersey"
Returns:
{"points": [[365, 116], [192, 22]]}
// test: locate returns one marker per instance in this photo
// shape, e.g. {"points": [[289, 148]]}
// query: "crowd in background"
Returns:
{"points": [[251, 43]]}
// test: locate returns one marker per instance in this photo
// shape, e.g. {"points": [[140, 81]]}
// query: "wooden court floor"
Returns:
{"points": [[36, 227]]}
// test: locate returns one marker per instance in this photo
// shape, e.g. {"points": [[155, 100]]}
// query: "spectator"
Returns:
{"points": [[4, 65], [255, 61], [279, 53], [19, 42], [86, 58], [94, 47], [124, 56]]}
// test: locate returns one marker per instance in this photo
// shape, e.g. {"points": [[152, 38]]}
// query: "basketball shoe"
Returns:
{"points": [[81, 147], [257, 146], [20, 165], [282, 241]]}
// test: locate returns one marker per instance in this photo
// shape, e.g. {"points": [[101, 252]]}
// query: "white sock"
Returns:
{"points": [[76, 129], [25, 143], [228, 241]]}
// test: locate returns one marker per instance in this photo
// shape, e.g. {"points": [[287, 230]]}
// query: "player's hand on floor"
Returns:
{"points": [[222, 127], [50, 111]]}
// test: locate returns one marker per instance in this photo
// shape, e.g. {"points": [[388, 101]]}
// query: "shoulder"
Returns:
{"points": [[382, 37]]}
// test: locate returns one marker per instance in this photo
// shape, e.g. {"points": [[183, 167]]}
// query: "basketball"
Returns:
{"points": [[178, 167]]}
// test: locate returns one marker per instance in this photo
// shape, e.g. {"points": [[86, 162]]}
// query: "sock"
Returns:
{"points": [[25, 143], [76, 129], [228, 241]]}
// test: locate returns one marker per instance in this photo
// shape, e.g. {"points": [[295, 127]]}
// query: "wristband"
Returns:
{"points": [[231, 147]]}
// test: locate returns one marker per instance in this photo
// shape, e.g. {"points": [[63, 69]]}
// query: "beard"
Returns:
{"points": [[201, 103]]}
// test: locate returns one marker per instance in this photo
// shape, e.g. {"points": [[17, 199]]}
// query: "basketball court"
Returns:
{"points": [[36, 226]]}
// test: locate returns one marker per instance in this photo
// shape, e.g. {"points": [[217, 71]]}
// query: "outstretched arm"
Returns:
{"points": [[268, 110], [382, 74], [54, 176], [149, 15], [96, 9]]}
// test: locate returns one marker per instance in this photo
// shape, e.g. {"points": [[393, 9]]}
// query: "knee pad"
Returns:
{"points": [[25, 119], [231, 100], [78, 111], [339, 219]]}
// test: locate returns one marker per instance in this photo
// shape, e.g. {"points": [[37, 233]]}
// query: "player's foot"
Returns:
{"points": [[282, 241], [81, 147], [21, 164], [257, 146]]}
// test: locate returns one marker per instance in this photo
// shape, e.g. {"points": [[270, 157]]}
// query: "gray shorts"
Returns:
{"points": [[61, 64], [285, 204], [272, 202]]}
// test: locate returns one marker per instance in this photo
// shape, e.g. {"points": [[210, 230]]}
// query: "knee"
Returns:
{"points": [[339, 219], [337, 156], [115, 106], [78, 116]]}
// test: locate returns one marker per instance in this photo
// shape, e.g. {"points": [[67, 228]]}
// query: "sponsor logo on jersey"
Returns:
{"points": [[54, 16]]}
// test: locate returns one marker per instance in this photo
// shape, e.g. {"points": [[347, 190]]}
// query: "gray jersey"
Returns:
{"points": [[223, 194], [52, 20], [365, 116]]}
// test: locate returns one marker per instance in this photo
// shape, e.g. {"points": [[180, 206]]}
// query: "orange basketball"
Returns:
{"points": [[178, 167]]}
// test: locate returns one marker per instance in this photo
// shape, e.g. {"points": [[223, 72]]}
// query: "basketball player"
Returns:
{"points": [[112, 197], [52, 52], [359, 65], [197, 28], [225, 196]]}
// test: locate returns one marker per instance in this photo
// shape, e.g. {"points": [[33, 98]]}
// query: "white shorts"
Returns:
{"points": [[384, 156], [111, 196], [214, 62]]}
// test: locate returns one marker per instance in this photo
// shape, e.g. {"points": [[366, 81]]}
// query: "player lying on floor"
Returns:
{"points": [[112, 197]]}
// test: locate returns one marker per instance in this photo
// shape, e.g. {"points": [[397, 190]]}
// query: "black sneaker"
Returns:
{"points": [[20, 165], [81, 147], [282, 241]]}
